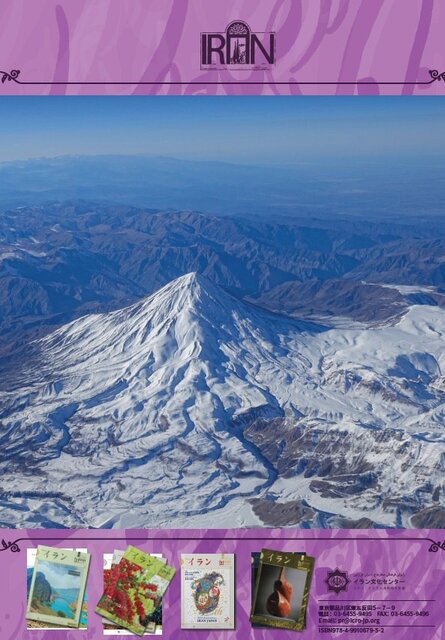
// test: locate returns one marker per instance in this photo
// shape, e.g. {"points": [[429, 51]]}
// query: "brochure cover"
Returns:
{"points": [[57, 587], [222, 314], [134, 589], [44, 589], [282, 590], [207, 591], [255, 565], [153, 622]]}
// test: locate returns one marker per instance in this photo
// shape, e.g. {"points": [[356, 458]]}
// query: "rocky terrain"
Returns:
{"points": [[225, 411], [195, 344], [62, 260]]}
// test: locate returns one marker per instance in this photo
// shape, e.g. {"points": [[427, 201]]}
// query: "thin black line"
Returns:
{"points": [[218, 83], [265, 537], [13, 545], [373, 600]]}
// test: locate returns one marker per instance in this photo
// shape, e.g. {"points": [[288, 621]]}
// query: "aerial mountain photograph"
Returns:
{"points": [[222, 311]]}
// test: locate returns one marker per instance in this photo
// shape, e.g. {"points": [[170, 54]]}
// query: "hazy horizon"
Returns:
{"points": [[312, 162], [235, 129]]}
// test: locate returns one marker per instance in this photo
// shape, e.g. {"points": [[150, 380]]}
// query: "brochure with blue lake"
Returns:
{"points": [[57, 588]]}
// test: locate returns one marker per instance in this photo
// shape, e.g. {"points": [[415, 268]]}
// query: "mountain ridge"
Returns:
{"points": [[179, 397]]}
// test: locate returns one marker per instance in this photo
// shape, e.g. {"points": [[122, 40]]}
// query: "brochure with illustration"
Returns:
{"points": [[207, 591]]}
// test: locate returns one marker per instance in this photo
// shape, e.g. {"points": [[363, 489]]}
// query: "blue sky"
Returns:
{"points": [[263, 129], [58, 575]]}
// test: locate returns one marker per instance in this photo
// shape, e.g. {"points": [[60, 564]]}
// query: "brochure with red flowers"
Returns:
{"points": [[134, 589], [153, 621]]}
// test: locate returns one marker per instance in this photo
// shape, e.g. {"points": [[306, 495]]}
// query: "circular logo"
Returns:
{"points": [[337, 581]]}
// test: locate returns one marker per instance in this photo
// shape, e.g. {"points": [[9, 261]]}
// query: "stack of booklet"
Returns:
{"points": [[280, 589], [134, 586], [56, 588]]}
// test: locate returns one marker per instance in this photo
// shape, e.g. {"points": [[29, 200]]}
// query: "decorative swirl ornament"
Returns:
{"points": [[11, 545], [238, 29], [435, 546], [12, 75], [436, 75]]}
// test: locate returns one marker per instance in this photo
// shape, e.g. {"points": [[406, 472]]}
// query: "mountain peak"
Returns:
{"points": [[192, 278], [191, 291]]}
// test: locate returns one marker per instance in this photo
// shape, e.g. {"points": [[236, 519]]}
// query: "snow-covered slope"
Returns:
{"points": [[194, 408]]}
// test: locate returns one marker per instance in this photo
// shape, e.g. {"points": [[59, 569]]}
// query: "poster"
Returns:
{"points": [[222, 305]]}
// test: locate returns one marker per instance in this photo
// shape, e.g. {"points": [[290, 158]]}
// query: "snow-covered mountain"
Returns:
{"points": [[66, 259], [193, 408]]}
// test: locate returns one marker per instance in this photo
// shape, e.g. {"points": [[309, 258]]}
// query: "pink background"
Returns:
{"points": [[134, 41], [353, 551], [158, 40]]}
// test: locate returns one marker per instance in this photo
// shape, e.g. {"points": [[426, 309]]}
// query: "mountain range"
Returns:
{"points": [[209, 344], [62, 260], [196, 407]]}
